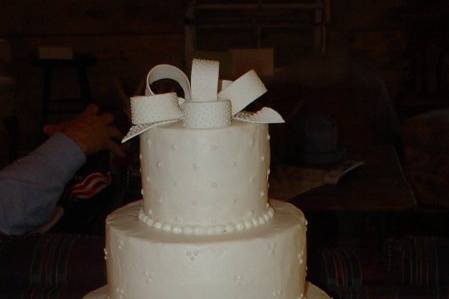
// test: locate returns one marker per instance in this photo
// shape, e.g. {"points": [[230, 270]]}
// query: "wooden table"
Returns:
{"points": [[367, 205], [378, 186]]}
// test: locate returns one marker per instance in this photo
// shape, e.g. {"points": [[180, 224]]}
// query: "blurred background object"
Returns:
{"points": [[8, 116]]}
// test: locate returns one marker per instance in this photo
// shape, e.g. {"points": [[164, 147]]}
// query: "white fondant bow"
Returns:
{"points": [[201, 106]]}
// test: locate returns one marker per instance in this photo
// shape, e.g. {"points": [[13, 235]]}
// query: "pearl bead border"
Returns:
{"points": [[200, 230]]}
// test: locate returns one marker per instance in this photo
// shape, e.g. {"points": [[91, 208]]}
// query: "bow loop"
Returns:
{"points": [[160, 107], [204, 80], [166, 71], [243, 91]]}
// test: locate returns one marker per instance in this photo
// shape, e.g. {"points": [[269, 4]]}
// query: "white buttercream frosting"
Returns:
{"points": [[205, 177], [145, 262]]}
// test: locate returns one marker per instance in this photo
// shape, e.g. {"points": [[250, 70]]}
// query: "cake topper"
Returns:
{"points": [[207, 103]]}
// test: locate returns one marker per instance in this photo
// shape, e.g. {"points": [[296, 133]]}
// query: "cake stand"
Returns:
{"points": [[312, 292]]}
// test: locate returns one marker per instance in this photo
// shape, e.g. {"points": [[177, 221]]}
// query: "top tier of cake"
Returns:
{"points": [[205, 162], [206, 177]]}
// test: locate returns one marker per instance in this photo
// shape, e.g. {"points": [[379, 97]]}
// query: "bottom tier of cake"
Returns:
{"points": [[262, 263]]}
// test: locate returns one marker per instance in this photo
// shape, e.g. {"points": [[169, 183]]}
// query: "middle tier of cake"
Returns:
{"points": [[205, 178], [262, 263]]}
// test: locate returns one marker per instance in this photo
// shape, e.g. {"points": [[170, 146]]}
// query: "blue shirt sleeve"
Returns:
{"points": [[31, 186]]}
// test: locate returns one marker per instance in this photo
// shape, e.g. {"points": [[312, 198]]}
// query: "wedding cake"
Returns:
{"points": [[205, 227]]}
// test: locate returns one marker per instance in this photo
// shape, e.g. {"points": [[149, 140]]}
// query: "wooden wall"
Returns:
{"points": [[126, 37]]}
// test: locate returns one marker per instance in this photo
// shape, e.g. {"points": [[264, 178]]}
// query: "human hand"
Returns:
{"points": [[93, 132]]}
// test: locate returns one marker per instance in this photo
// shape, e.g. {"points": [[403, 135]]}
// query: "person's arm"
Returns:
{"points": [[31, 186]]}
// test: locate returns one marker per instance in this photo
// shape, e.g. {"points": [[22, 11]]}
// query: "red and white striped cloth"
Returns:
{"points": [[91, 185]]}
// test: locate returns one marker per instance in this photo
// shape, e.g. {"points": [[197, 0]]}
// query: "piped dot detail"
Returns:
{"points": [[246, 224]]}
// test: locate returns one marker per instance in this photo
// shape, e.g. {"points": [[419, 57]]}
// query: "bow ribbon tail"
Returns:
{"points": [[150, 111], [141, 128], [263, 116]]}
